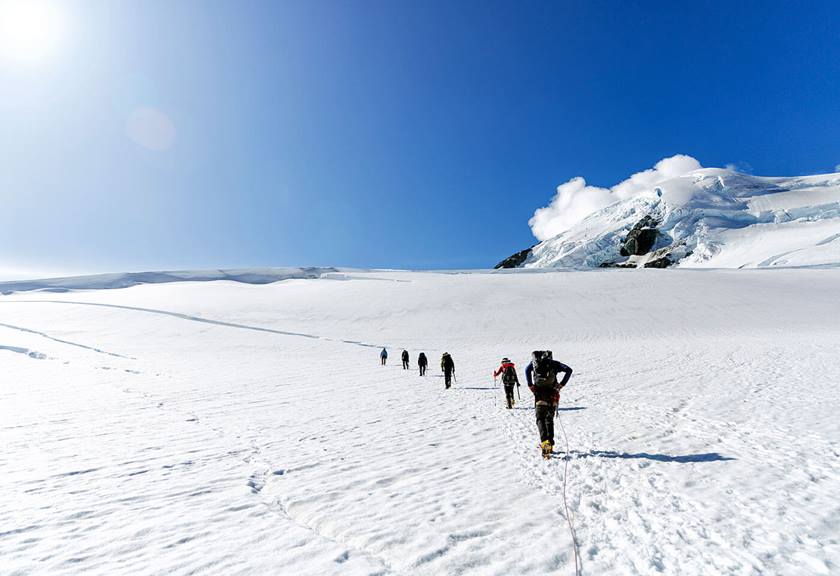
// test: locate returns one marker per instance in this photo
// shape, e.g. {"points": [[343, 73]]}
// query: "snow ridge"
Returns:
{"points": [[128, 279]]}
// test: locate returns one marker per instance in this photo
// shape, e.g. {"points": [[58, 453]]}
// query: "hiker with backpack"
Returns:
{"points": [[541, 374], [448, 367], [383, 356], [422, 362], [405, 359], [509, 379]]}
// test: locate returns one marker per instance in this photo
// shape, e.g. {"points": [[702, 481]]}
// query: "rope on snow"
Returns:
{"points": [[566, 459]]}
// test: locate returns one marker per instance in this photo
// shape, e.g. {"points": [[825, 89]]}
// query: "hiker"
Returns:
{"points": [[383, 356], [422, 362], [405, 359], [509, 378], [448, 367], [541, 374]]}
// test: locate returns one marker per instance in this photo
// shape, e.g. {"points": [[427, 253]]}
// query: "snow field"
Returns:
{"points": [[701, 421]]}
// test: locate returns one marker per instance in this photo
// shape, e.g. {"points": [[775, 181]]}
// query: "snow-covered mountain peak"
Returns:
{"points": [[706, 217]]}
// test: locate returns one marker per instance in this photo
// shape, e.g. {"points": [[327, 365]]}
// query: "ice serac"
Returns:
{"points": [[707, 218]]}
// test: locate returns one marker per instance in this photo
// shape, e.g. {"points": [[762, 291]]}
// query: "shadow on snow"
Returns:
{"points": [[565, 409], [685, 459]]}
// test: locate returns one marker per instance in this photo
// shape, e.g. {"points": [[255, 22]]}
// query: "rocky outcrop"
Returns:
{"points": [[514, 261], [662, 262], [641, 238]]}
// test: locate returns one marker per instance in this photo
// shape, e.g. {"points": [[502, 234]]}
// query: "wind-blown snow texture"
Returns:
{"points": [[229, 428], [707, 218]]}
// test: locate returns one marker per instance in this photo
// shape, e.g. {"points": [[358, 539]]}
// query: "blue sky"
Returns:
{"points": [[381, 133]]}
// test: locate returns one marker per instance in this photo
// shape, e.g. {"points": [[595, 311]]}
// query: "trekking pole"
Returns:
{"points": [[518, 395]]}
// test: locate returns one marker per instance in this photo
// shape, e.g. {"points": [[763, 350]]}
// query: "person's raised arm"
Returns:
{"points": [[567, 372]]}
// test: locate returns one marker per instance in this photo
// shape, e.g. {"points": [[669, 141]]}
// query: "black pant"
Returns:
{"points": [[447, 378], [509, 395], [545, 421], [384, 359], [422, 369], [405, 364]]}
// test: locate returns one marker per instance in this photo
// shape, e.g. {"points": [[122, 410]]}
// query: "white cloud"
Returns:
{"points": [[575, 200], [837, 168], [741, 166], [572, 203], [151, 128]]}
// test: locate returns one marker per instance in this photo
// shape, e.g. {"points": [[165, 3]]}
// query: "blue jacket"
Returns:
{"points": [[383, 354], [546, 395]]}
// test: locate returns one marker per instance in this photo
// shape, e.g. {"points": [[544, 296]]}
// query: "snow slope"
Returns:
{"points": [[222, 427], [128, 279], [712, 218]]}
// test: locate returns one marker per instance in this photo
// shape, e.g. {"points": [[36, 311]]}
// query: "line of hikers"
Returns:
{"points": [[540, 373], [447, 365]]}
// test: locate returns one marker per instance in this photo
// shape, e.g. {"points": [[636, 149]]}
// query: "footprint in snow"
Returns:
{"points": [[256, 482]]}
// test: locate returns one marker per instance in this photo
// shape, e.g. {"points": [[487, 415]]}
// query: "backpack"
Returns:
{"points": [[544, 376], [509, 374]]}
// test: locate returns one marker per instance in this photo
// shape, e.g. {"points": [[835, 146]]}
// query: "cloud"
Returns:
{"points": [[837, 168], [740, 166], [572, 203], [151, 129], [575, 200]]}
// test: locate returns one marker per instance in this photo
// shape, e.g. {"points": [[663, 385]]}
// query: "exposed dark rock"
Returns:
{"points": [[514, 261], [662, 262], [666, 256], [641, 237]]}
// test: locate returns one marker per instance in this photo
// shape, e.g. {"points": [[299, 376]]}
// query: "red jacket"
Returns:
{"points": [[503, 367]]}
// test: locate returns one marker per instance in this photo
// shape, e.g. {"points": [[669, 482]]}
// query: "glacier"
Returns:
{"points": [[708, 218]]}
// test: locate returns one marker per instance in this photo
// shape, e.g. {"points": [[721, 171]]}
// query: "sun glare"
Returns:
{"points": [[30, 30]]}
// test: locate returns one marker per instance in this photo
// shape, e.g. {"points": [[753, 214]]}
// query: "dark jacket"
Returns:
{"points": [[446, 363], [421, 360], [550, 395], [405, 355]]}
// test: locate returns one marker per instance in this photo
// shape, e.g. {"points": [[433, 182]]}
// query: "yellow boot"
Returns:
{"points": [[546, 449]]}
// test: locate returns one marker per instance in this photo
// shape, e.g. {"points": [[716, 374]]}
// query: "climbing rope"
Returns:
{"points": [[566, 458]]}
